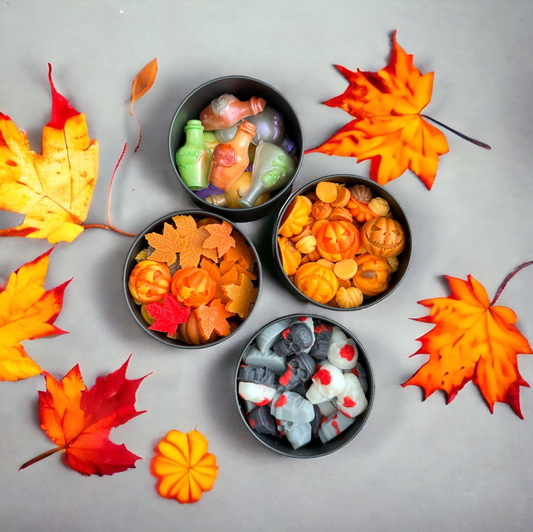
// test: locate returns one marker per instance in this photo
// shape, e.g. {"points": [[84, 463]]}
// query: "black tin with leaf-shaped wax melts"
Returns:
{"points": [[292, 237], [269, 386], [188, 334], [279, 167]]}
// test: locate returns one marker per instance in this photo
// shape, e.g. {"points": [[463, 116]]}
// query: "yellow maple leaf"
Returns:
{"points": [[27, 311], [53, 189]]}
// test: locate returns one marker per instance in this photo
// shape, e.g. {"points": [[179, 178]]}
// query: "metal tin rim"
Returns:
{"points": [[371, 390], [254, 209], [286, 279], [130, 257]]}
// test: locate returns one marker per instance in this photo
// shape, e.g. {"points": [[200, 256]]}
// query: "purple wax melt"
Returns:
{"points": [[209, 191]]}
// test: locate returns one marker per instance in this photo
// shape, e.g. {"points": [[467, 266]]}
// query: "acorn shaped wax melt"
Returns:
{"points": [[343, 264]]}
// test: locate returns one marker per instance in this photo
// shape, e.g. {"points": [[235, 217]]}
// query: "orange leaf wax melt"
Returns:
{"points": [[241, 252], [220, 237], [383, 237], [297, 215], [183, 467], [373, 274], [166, 244], [190, 256], [213, 318], [338, 240], [316, 282], [193, 287], [190, 332], [242, 296], [149, 281]]}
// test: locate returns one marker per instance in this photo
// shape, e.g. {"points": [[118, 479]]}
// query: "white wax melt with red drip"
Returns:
{"points": [[328, 382], [352, 401], [258, 394], [333, 426], [342, 350]]}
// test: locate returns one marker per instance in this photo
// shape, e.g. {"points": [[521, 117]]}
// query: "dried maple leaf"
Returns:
{"points": [[183, 467], [242, 296], [27, 311], [166, 245], [213, 318], [78, 420], [220, 237], [54, 190], [241, 253], [141, 85], [388, 128], [167, 315], [190, 256], [472, 340]]}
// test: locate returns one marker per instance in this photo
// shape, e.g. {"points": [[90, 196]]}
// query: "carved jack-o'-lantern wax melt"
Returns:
{"points": [[339, 243], [197, 279]]}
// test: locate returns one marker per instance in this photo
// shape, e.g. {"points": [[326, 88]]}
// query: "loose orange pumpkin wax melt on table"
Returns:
{"points": [[203, 284], [349, 249]]}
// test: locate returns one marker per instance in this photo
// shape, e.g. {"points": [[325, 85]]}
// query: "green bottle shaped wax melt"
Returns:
{"points": [[194, 157]]}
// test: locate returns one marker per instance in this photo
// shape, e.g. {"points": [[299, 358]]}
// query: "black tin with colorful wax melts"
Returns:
{"points": [[243, 88], [280, 444], [141, 244], [397, 212]]}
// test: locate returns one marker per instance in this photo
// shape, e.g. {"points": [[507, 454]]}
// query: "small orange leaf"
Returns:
{"points": [[166, 245], [141, 85], [472, 340], [220, 237], [183, 467], [27, 311], [242, 296], [186, 228], [213, 318], [230, 277], [241, 253]]}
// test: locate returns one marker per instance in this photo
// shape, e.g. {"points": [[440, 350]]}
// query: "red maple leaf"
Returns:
{"points": [[78, 420], [167, 315]]}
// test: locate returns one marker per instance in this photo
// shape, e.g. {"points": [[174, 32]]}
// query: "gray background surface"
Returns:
{"points": [[416, 465]]}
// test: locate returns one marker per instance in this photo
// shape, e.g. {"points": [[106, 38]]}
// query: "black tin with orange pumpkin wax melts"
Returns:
{"points": [[191, 279], [263, 110], [342, 242], [304, 386]]}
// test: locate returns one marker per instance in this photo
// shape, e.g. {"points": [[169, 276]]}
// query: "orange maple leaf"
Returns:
{"points": [[166, 245], [472, 340], [230, 277], [183, 467], [54, 190], [242, 296], [241, 253], [78, 420], [388, 128], [213, 318], [186, 228], [220, 237], [27, 311]]}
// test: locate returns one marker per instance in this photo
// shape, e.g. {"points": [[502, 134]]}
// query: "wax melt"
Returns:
{"points": [[316, 386], [339, 245], [221, 146]]}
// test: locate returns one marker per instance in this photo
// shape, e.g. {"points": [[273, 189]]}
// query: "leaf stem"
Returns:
{"points": [[41, 456], [140, 131], [110, 226], [508, 278], [470, 139]]}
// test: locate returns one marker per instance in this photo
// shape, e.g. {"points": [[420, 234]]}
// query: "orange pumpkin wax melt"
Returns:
{"points": [[193, 287], [338, 240], [149, 281], [373, 274], [383, 237], [297, 216], [316, 282]]}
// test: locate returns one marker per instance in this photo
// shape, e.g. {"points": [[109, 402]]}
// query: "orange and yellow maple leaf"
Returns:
{"points": [[53, 189], [27, 311], [472, 340], [388, 128], [166, 245], [186, 228]]}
